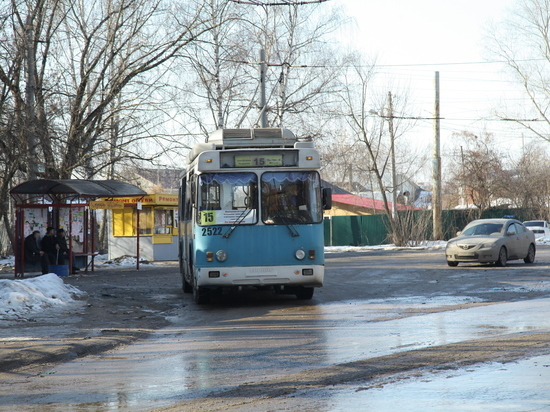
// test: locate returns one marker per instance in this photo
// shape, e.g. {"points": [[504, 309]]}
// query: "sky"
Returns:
{"points": [[414, 39]]}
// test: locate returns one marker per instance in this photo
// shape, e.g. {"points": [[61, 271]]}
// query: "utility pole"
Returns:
{"points": [[392, 154], [263, 108], [436, 170]]}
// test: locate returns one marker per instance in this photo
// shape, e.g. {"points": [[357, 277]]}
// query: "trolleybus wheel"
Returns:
{"points": [[201, 295], [304, 293], [187, 288]]}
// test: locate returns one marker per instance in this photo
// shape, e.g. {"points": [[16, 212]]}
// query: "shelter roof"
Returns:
{"points": [[76, 188]]}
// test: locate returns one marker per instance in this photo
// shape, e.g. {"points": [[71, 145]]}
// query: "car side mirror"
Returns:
{"points": [[458, 233], [510, 233], [327, 198]]}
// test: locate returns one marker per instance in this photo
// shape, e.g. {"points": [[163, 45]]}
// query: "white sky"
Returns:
{"points": [[414, 39]]}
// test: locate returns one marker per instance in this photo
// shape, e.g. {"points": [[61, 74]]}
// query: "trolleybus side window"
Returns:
{"points": [[291, 198], [227, 198]]}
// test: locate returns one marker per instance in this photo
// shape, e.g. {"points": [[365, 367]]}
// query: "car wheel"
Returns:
{"points": [[530, 258], [451, 263], [502, 257]]}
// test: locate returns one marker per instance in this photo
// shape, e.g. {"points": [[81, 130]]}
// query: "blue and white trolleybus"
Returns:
{"points": [[251, 214]]}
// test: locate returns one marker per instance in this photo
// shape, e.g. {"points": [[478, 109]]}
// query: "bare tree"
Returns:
{"points": [[477, 171], [215, 75], [529, 185], [365, 118], [80, 82], [91, 65], [300, 67], [522, 41]]}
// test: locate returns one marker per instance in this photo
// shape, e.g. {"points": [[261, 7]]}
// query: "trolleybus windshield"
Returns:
{"points": [[228, 198], [291, 198]]}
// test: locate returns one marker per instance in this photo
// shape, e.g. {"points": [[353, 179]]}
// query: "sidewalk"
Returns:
{"points": [[121, 305]]}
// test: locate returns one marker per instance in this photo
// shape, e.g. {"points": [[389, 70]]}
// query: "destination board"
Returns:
{"points": [[259, 160]]}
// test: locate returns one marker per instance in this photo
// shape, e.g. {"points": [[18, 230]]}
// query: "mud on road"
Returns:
{"points": [[120, 306], [282, 394]]}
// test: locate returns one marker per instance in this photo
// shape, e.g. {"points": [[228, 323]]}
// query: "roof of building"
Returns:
{"points": [[365, 202], [165, 177], [335, 189]]}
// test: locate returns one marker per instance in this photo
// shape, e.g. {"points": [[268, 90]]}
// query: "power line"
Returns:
{"points": [[455, 63], [278, 3], [324, 66]]}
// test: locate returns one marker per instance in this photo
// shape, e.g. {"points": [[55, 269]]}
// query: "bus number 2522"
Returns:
{"points": [[211, 231]]}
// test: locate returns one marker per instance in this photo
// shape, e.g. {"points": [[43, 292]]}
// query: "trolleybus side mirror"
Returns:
{"points": [[327, 198]]}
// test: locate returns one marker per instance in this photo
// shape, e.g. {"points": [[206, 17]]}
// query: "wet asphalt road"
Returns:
{"points": [[383, 318]]}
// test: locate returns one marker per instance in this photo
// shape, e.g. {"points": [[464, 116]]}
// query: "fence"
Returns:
{"points": [[371, 230]]}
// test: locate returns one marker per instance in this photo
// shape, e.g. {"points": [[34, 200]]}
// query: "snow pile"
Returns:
{"points": [[423, 246], [7, 264], [122, 261], [20, 297], [543, 240]]}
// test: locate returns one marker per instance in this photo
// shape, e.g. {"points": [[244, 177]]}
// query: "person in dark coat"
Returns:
{"points": [[50, 247], [34, 254], [64, 248]]}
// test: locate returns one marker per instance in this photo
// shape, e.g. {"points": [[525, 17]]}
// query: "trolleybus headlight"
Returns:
{"points": [[221, 255], [300, 254]]}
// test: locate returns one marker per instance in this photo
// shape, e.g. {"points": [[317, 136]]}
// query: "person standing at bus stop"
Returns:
{"points": [[64, 248], [33, 253], [50, 247]]}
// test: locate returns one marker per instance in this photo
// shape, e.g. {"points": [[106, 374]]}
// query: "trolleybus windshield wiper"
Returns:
{"points": [[238, 221], [291, 228]]}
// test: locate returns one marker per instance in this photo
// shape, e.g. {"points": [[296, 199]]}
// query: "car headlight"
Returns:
{"points": [[221, 255], [300, 254]]}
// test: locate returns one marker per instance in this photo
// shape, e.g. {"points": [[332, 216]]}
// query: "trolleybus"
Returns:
{"points": [[251, 214]]}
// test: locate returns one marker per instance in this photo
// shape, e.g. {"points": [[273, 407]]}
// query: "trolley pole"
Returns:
{"points": [[263, 108]]}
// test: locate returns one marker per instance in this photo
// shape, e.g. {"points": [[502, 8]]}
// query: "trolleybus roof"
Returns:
{"points": [[248, 139], [273, 137]]}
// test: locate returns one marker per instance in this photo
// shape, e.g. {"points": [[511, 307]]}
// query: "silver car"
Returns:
{"points": [[491, 241]]}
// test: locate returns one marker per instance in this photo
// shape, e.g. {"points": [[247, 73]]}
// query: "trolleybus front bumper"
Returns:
{"points": [[296, 275]]}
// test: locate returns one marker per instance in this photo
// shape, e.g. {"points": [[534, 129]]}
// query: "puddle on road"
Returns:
{"points": [[518, 386], [229, 347]]}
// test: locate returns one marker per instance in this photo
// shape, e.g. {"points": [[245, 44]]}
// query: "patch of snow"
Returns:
{"points": [[122, 261], [543, 240], [21, 297], [7, 260], [408, 302], [439, 244]]}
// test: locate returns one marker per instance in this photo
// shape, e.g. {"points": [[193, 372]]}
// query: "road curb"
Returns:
{"points": [[34, 354]]}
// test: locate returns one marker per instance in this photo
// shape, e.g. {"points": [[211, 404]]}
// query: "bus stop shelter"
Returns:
{"points": [[63, 204]]}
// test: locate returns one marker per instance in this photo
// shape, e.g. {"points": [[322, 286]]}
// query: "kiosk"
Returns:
{"points": [[146, 227]]}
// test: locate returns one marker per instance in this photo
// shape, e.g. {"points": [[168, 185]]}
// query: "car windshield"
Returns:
{"points": [[482, 229]]}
